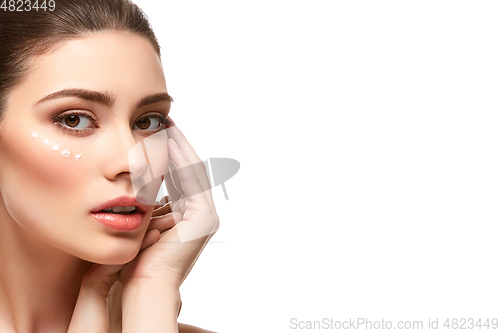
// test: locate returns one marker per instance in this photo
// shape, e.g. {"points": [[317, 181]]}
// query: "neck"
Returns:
{"points": [[39, 284]]}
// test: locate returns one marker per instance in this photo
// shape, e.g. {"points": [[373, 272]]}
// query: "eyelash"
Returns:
{"points": [[74, 131]]}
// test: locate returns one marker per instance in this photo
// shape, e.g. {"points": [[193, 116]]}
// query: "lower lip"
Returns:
{"points": [[118, 221]]}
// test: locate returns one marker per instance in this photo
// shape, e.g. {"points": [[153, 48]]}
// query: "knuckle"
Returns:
{"points": [[216, 223]]}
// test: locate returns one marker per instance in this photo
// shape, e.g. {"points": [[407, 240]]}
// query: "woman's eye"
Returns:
{"points": [[75, 121], [147, 124]]}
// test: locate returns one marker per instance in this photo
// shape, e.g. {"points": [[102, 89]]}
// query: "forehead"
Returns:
{"points": [[120, 62]]}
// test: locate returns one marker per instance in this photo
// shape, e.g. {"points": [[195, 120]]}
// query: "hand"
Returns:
{"points": [[178, 231], [177, 234], [91, 309]]}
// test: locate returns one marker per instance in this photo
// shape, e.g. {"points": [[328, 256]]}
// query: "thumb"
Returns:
{"points": [[101, 278]]}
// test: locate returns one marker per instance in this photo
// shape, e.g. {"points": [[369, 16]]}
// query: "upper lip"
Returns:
{"points": [[122, 201]]}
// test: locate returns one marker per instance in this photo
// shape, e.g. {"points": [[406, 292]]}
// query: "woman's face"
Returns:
{"points": [[90, 102]]}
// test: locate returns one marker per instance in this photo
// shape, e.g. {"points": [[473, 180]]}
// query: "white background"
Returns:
{"points": [[368, 137]]}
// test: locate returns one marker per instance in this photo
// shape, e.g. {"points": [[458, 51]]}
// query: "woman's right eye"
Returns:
{"points": [[75, 122]]}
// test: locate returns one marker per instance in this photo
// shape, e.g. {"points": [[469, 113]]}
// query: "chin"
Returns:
{"points": [[112, 254]]}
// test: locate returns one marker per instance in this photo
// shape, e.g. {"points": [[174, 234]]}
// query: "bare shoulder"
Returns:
{"points": [[183, 328]]}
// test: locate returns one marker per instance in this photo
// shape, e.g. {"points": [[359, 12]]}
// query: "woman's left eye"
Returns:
{"points": [[148, 124]]}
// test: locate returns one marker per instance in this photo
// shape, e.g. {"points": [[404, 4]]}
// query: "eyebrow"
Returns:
{"points": [[104, 98]]}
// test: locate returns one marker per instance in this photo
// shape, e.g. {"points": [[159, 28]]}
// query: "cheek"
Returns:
{"points": [[45, 193], [34, 173]]}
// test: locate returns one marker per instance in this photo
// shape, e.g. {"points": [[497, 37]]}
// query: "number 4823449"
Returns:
{"points": [[27, 5], [471, 323]]}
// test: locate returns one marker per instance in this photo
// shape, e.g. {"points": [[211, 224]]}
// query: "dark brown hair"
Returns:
{"points": [[24, 35]]}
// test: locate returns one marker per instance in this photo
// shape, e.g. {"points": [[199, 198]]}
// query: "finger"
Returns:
{"points": [[165, 222], [194, 159], [190, 154], [173, 180], [190, 182], [163, 202], [174, 176], [149, 239], [176, 134], [199, 220], [173, 192], [163, 210]]}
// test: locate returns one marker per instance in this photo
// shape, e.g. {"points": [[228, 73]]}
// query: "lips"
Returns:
{"points": [[122, 213], [122, 201]]}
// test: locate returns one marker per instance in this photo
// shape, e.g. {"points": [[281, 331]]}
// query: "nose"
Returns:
{"points": [[117, 145]]}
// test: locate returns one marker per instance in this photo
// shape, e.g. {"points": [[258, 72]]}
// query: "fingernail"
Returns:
{"points": [[151, 231]]}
